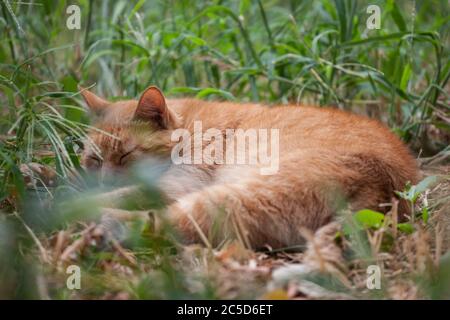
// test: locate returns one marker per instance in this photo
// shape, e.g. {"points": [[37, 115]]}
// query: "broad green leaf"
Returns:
{"points": [[210, 91], [425, 184], [406, 227], [369, 218]]}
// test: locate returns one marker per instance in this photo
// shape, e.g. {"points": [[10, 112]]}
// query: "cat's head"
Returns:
{"points": [[127, 131]]}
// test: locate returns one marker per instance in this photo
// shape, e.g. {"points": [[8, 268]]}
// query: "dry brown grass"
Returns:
{"points": [[326, 269]]}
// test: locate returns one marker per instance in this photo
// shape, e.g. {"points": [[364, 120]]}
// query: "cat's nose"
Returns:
{"points": [[107, 174], [111, 175]]}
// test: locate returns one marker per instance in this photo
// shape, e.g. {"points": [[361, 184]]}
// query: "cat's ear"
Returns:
{"points": [[152, 108], [94, 102]]}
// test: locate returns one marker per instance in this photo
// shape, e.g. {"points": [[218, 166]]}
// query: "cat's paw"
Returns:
{"points": [[112, 229], [36, 174], [113, 222]]}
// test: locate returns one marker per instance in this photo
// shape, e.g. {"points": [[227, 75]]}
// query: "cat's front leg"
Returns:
{"points": [[252, 212]]}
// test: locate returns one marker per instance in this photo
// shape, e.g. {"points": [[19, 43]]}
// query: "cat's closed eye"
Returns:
{"points": [[125, 157], [94, 161]]}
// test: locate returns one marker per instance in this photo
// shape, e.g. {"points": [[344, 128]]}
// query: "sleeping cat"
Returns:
{"points": [[324, 155]]}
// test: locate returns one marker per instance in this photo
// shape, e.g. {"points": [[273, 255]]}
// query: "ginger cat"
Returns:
{"points": [[324, 155]]}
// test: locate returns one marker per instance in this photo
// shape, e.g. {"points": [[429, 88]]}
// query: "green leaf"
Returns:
{"points": [[412, 192], [244, 6], [425, 215], [406, 75], [398, 18], [386, 37], [196, 40], [406, 227], [369, 218], [210, 91], [136, 8], [425, 184], [203, 92]]}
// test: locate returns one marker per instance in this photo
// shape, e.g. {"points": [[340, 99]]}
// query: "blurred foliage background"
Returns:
{"points": [[275, 52]]}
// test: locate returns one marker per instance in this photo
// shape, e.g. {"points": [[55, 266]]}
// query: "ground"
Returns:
{"points": [[333, 263]]}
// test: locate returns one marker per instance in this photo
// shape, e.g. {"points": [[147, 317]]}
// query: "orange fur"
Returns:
{"points": [[326, 155]]}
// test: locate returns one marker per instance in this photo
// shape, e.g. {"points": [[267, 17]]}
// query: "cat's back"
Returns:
{"points": [[300, 126]]}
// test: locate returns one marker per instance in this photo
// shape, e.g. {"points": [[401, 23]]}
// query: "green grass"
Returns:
{"points": [[275, 52]]}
